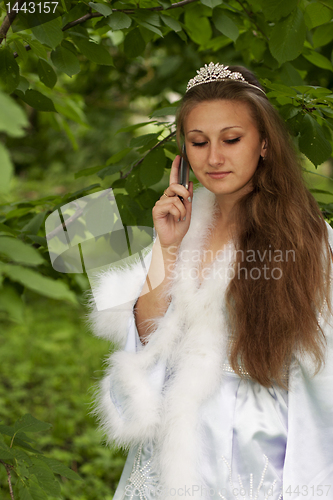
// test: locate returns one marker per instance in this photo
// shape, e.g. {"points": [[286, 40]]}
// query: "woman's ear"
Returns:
{"points": [[263, 148]]}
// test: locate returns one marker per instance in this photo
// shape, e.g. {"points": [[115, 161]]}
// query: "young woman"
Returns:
{"points": [[222, 384]]}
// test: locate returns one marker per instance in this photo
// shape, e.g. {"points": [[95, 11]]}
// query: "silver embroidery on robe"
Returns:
{"points": [[143, 482], [243, 491]]}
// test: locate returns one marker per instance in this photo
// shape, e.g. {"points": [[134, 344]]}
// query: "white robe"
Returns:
{"points": [[192, 426]]}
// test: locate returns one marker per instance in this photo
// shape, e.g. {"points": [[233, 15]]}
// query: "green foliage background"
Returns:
{"points": [[87, 102]]}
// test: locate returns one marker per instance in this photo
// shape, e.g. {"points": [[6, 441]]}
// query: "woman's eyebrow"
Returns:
{"points": [[222, 130]]}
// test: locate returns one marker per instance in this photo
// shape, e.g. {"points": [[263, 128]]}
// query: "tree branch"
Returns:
{"points": [[90, 15], [8, 469], [7, 22]]}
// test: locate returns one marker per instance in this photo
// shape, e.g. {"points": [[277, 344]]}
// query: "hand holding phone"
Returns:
{"points": [[172, 212]]}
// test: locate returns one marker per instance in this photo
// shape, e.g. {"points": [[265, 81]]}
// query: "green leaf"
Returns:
{"points": [[58, 468], [88, 171], [321, 191], [150, 27], [225, 25], [165, 3], [133, 183], [143, 140], [275, 9], [21, 455], [69, 46], [152, 167], [287, 38], [171, 110], [328, 3], [110, 171], [102, 8], [10, 73], [134, 44], [23, 85], [127, 208], [318, 60], [118, 156], [93, 51], [37, 492], [38, 283], [28, 423], [72, 110], [171, 22], [197, 26], [37, 100], [148, 20], [7, 430], [310, 90], [24, 492], [316, 14], [17, 212], [23, 444], [6, 169], [312, 141], [18, 251], [65, 61], [132, 127], [119, 21], [148, 198], [49, 33], [34, 224], [38, 48], [148, 17], [12, 117], [21, 50], [39, 240], [208, 3], [5, 452], [6, 229], [45, 477], [46, 73], [323, 35]]}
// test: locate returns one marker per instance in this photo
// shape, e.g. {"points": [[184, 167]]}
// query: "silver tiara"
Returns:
{"points": [[217, 73]]}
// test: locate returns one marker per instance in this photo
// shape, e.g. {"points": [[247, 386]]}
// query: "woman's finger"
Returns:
{"points": [[174, 170]]}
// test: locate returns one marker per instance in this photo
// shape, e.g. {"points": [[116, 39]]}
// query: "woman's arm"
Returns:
{"points": [[171, 218], [154, 301]]}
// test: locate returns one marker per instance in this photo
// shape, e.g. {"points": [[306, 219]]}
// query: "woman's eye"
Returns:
{"points": [[232, 141], [199, 143]]}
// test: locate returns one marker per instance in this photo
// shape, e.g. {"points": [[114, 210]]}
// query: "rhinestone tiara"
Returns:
{"points": [[217, 73]]}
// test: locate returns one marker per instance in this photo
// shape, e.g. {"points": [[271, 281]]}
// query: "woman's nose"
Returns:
{"points": [[216, 156]]}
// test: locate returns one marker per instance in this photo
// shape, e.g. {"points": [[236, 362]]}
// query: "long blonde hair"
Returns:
{"points": [[271, 318]]}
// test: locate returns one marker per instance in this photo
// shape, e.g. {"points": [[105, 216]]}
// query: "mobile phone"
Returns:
{"points": [[184, 171]]}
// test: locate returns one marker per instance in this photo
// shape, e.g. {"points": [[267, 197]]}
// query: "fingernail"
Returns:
{"points": [[179, 220], [189, 199], [184, 217]]}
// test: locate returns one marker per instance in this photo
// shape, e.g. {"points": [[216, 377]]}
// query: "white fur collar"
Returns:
{"points": [[190, 342]]}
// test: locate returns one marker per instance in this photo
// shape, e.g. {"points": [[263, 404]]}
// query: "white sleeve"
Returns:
{"points": [[128, 401], [113, 296]]}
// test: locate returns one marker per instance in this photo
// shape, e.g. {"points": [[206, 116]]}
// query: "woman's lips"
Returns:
{"points": [[218, 175]]}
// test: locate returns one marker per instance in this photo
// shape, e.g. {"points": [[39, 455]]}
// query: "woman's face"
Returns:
{"points": [[221, 137]]}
